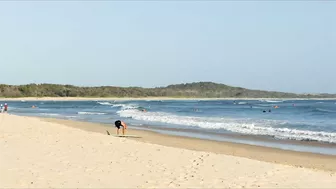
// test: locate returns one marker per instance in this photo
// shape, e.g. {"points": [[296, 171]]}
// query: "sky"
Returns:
{"points": [[287, 46]]}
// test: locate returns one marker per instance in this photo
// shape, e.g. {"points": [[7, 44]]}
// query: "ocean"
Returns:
{"points": [[300, 125]]}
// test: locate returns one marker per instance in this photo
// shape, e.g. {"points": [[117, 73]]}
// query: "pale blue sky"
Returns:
{"points": [[270, 45]]}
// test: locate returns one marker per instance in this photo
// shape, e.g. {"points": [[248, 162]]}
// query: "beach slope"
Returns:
{"points": [[41, 154]]}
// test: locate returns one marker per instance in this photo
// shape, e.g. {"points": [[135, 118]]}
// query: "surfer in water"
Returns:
{"points": [[119, 124]]}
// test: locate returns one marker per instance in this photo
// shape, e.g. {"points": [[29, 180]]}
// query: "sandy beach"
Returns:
{"points": [[266, 154], [41, 153]]}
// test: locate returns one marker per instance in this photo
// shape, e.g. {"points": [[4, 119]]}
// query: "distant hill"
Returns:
{"points": [[192, 90]]}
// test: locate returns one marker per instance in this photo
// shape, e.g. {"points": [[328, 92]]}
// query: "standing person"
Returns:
{"points": [[119, 124], [1, 108], [6, 108]]}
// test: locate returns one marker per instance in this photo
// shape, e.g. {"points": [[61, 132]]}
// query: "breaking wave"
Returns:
{"points": [[91, 113], [49, 114], [272, 101], [105, 103], [252, 127], [126, 106]]}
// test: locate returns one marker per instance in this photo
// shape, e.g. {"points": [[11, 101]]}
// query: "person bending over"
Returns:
{"points": [[119, 124]]}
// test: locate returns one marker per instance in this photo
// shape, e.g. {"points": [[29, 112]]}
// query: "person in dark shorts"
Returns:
{"points": [[119, 124]]}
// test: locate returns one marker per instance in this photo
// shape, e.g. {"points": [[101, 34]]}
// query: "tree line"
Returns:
{"points": [[192, 90]]}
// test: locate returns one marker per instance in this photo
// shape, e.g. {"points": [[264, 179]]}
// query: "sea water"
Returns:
{"points": [[309, 121]]}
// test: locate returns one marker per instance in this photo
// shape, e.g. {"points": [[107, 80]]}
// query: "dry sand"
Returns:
{"points": [[40, 154]]}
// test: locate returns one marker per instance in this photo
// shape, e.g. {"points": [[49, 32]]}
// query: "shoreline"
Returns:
{"points": [[265, 154], [237, 136], [143, 98], [314, 147]]}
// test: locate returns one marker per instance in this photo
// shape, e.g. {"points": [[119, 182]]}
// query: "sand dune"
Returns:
{"points": [[41, 154]]}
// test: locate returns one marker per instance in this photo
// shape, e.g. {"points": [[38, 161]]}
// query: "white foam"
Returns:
{"points": [[123, 106], [261, 127], [118, 105], [105, 103], [274, 101], [91, 113], [49, 114], [126, 106]]}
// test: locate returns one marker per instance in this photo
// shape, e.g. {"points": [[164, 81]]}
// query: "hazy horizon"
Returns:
{"points": [[274, 46]]}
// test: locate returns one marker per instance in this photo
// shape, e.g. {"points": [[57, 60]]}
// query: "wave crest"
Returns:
{"points": [[105, 103], [325, 110], [239, 126], [91, 113]]}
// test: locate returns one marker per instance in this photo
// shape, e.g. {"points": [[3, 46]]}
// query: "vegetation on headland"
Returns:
{"points": [[188, 90]]}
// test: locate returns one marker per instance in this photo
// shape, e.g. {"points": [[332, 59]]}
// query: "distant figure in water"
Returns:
{"points": [[264, 111], [142, 109], [6, 108], [269, 110], [119, 124]]}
